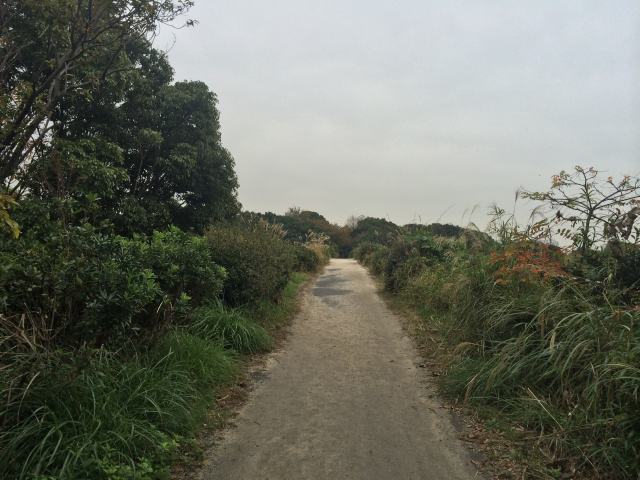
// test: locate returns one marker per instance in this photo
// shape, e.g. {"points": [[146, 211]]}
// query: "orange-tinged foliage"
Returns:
{"points": [[527, 262]]}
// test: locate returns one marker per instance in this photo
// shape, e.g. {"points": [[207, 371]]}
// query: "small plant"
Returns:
{"points": [[230, 327]]}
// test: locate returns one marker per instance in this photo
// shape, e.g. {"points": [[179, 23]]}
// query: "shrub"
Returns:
{"points": [[434, 287], [318, 244], [307, 260], [87, 286], [402, 262], [182, 264], [377, 259], [230, 327], [274, 315], [363, 251], [257, 259], [95, 288]]}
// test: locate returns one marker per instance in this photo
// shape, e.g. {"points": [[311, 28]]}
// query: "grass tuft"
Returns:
{"points": [[231, 327], [95, 416]]}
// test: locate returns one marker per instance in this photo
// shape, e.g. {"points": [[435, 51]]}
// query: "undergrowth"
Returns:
{"points": [[96, 416], [537, 350], [100, 414]]}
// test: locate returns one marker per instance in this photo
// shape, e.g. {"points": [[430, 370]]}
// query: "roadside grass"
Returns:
{"points": [[270, 316], [129, 414], [97, 416], [275, 315], [553, 370], [236, 331], [496, 434]]}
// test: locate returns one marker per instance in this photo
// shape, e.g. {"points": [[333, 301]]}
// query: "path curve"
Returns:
{"points": [[343, 400]]}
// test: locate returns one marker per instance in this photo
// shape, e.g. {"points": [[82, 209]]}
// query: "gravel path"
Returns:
{"points": [[343, 400]]}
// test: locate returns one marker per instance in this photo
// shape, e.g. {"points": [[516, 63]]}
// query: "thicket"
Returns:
{"points": [[300, 224], [547, 335], [119, 317]]}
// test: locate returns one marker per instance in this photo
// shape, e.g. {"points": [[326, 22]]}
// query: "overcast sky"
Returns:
{"points": [[414, 110]]}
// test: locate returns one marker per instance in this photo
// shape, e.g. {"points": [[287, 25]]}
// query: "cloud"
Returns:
{"points": [[402, 109]]}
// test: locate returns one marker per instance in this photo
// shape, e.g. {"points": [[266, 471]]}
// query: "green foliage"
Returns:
{"points": [[372, 255], [183, 265], [89, 287], [87, 413], [179, 144], [375, 230], [550, 340], [231, 327], [79, 46], [91, 415], [86, 170], [95, 288], [274, 315], [306, 259], [95, 120], [6, 222], [445, 230], [298, 224], [257, 259]]}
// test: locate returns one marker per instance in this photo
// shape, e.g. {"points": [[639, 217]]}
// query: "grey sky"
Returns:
{"points": [[403, 109]]}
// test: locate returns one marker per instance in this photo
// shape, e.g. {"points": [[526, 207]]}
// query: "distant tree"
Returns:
{"points": [[445, 230], [299, 223], [353, 220], [375, 230], [293, 212]]}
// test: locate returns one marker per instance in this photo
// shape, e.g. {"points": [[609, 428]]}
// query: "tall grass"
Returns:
{"points": [[274, 315], [230, 326], [574, 369], [95, 416], [556, 354]]}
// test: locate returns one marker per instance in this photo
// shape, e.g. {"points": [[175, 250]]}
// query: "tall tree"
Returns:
{"points": [[51, 48], [116, 136]]}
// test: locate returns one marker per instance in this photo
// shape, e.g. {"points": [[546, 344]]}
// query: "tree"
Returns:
{"points": [[53, 48], [148, 151], [375, 230], [353, 220], [590, 210]]}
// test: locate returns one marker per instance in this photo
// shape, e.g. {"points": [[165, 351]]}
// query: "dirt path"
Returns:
{"points": [[343, 400]]}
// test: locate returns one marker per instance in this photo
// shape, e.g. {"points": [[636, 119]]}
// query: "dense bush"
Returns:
{"points": [[308, 259], [298, 224], [363, 251], [257, 259], [95, 288], [85, 285], [113, 415], [182, 265]]}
